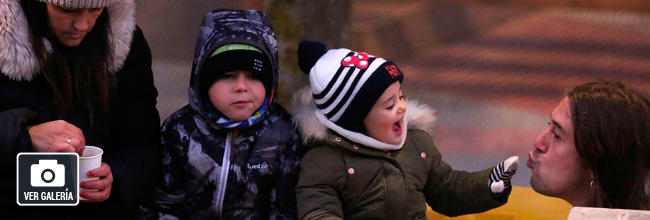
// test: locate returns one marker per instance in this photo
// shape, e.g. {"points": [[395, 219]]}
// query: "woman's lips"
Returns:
{"points": [[74, 35]]}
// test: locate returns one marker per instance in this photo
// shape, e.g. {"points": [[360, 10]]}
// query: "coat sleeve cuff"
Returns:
{"points": [[496, 199], [15, 126]]}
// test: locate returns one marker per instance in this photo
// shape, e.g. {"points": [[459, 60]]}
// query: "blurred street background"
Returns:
{"points": [[493, 70]]}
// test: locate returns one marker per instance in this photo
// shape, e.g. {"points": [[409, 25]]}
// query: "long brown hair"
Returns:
{"points": [[612, 134], [78, 74]]}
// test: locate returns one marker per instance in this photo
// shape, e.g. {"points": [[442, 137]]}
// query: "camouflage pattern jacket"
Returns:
{"points": [[210, 172]]}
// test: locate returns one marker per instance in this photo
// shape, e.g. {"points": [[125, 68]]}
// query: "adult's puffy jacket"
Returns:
{"points": [[128, 133]]}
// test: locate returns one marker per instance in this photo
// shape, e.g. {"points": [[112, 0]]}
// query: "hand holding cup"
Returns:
{"points": [[98, 186], [95, 177]]}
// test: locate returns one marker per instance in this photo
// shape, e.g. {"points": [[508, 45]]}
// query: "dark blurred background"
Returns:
{"points": [[493, 70]]}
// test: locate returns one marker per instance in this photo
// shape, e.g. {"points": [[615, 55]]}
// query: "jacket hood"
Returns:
{"points": [[305, 118], [221, 27], [17, 59]]}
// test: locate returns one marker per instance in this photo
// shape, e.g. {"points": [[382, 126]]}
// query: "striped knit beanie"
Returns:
{"points": [[345, 84], [79, 3]]}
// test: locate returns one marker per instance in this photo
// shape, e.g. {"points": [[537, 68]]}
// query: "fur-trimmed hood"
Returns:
{"points": [[418, 116], [17, 59]]}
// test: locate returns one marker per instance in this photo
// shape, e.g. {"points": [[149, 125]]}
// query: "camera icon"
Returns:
{"points": [[47, 173]]}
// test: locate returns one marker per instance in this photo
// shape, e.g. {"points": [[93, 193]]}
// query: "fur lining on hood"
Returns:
{"points": [[17, 59], [418, 116]]}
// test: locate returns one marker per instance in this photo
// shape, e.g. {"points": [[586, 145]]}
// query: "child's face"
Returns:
{"points": [[384, 121], [237, 94]]}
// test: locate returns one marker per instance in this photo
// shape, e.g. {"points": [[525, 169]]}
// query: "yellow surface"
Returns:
{"points": [[524, 204]]}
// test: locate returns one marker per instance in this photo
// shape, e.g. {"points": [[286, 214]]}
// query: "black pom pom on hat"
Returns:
{"points": [[308, 53]]}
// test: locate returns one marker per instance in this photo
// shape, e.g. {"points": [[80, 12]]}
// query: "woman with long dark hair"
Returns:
{"points": [[596, 151], [76, 73]]}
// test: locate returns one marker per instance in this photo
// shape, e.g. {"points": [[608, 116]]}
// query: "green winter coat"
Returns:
{"points": [[340, 179]]}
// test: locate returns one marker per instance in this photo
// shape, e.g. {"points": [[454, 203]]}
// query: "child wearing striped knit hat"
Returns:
{"points": [[370, 154]]}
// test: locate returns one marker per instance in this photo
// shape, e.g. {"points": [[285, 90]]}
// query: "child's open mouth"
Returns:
{"points": [[397, 127]]}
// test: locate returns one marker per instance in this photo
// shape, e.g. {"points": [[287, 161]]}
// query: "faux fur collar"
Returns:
{"points": [[418, 116], [17, 60]]}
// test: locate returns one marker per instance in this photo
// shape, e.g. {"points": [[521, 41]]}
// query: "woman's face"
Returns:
{"points": [[384, 121], [557, 169], [70, 26]]}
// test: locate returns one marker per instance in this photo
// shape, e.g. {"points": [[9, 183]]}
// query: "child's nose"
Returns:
{"points": [[240, 84], [401, 106]]}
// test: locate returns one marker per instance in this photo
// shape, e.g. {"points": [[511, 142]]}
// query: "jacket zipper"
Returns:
{"points": [[225, 167]]}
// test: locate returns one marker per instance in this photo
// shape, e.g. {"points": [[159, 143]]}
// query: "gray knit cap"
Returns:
{"points": [[79, 3]]}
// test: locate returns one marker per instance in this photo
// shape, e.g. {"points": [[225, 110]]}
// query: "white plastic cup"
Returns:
{"points": [[90, 159]]}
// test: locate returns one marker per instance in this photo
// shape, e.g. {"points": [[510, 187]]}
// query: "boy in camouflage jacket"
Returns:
{"points": [[230, 153]]}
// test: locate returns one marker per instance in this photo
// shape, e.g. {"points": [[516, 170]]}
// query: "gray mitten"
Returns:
{"points": [[501, 175]]}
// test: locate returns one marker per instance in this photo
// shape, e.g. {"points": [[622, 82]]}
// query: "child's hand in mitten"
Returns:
{"points": [[501, 175]]}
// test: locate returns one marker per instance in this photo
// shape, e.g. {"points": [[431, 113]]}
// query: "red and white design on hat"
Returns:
{"points": [[392, 70], [358, 59]]}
